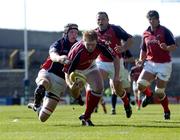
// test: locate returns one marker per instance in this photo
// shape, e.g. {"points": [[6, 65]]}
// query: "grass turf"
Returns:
{"points": [[20, 123]]}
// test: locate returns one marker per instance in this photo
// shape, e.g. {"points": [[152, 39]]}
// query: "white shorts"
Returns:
{"points": [[92, 67], [106, 66], [161, 70], [109, 67], [57, 84]]}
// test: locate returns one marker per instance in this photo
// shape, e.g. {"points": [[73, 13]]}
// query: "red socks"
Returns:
{"points": [[125, 99], [164, 102], [92, 100]]}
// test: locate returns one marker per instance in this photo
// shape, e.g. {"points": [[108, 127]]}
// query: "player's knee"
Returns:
{"points": [[160, 92], [142, 84], [44, 82]]}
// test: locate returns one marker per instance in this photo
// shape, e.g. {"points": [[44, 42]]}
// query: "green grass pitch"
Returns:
{"points": [[20, 123]]}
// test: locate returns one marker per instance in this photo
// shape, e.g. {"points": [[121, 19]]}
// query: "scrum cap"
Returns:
{"points": [[70, 26]]}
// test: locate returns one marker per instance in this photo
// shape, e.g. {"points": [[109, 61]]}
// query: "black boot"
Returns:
{"points": [[39, 95], [147, 100], [128, 110], [113, 102]]}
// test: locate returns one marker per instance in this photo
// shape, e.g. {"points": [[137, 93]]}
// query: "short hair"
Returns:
{"points": [[90, 35], [69, 27], [103, 13], [152, 13]]}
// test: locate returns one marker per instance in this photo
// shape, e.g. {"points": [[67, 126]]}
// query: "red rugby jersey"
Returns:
{"points": [[151, 41], [81, 59]]}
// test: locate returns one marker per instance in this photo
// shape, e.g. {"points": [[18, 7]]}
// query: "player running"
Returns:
{"points": [[82, 57], [157, 43], [112, 35]]}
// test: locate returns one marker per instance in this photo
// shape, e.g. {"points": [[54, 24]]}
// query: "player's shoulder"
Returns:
{"points": [[76, 46], [56, 43], [115, 27], [163, 27]]}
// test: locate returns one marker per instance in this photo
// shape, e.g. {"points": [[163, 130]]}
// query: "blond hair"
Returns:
{"points": [[90, 35]]}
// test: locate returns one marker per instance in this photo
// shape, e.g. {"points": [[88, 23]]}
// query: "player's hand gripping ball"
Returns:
{"points": [[78, 82], [78, 78]]}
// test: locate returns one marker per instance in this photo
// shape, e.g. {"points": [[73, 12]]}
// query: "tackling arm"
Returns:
{"points": [[55, 57]]}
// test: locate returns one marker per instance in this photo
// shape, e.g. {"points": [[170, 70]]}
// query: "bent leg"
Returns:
{"points": [[143, 82], [49, 104], [94, 91], [160, 92], [43, 84]]}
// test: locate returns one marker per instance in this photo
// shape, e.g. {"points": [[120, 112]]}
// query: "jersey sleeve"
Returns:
{"points": [[169, 38], [74, 60], [143, 44], [121, 33], [107, 51], [55, 47]]}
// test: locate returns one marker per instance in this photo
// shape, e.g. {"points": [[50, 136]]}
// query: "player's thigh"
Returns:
{"points": [[43, 78], [58, 85], [123, 73], [164, 71], [95, 80], [148, 76], [117, 87], [106, 69], [126, 84], [161, 83], [145, 80], [149, 71]]}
